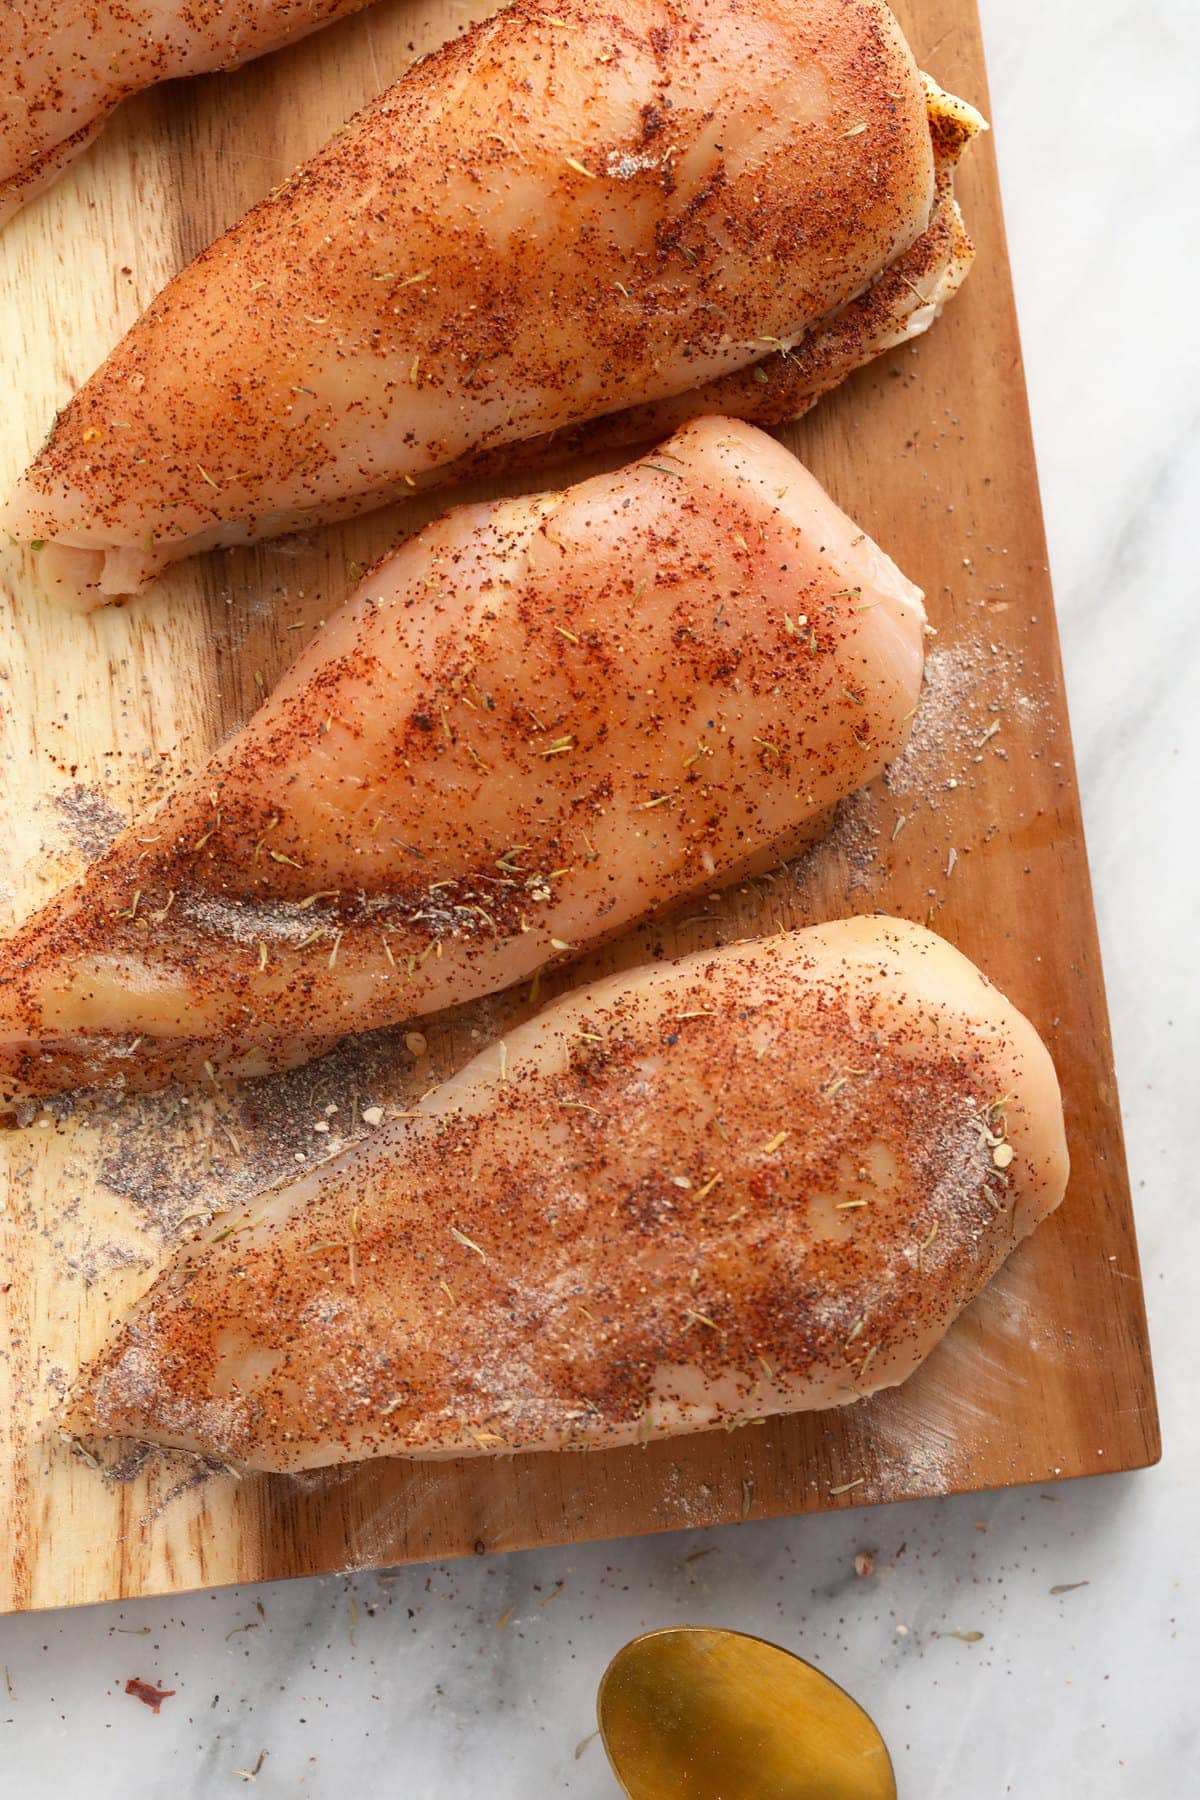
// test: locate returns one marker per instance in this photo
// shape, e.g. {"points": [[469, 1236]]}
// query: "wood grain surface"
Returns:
{"points": [[979, 832]]}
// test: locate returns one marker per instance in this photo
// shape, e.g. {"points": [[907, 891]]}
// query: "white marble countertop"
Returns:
{"points": [[406, 1685]]}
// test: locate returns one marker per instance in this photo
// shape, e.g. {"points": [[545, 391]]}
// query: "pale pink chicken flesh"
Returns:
{"points": [[758, 1180], [538, 721], [65, 64], [574, 212]]}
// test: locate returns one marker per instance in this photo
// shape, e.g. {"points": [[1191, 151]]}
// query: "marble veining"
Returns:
{"points": [[478, 1678]]}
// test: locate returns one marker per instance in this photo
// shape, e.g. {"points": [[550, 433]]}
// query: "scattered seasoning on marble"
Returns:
{"points": [[147, 1693]]}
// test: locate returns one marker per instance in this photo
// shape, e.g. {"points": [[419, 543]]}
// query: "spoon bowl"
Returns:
{"points": [[693, 1713]]}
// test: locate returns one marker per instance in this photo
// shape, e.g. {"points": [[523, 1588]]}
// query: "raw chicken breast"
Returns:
{"points": [[575, 209], [761, 1179], [65, 64], [535, 723]]}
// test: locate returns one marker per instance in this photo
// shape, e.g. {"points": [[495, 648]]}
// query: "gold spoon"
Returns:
{"points": [[691, 1713]]}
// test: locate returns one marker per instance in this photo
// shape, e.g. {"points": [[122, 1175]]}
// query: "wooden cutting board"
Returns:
{"points": [[978, 830]]}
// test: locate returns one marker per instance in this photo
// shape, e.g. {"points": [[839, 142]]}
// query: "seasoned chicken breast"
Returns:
{"points": [[576, 209], [65, 64], [759, 1179], [901, 304], [538, 721]]}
